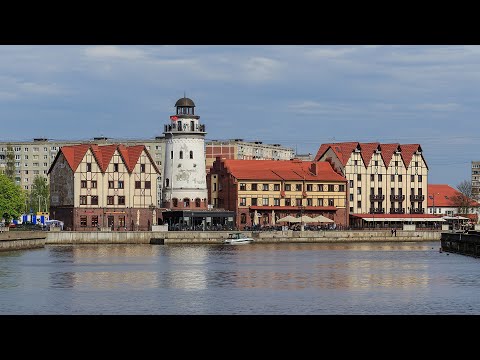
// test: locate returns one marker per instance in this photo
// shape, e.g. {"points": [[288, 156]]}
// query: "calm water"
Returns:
{"points": [[376, 278]]}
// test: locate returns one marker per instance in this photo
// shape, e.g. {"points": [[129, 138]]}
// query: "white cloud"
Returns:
{"points": [[260, 69], [438, 107], [44, 89], [111, 51]]}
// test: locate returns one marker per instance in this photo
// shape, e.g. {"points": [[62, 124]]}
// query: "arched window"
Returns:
{"points": [[181, 154], [191, 154], [175, 202], [243, 218], [197, 202], [186, 202], [167, 182]]}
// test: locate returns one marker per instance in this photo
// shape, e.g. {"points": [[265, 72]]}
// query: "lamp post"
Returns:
{"points": [[301, 217]]}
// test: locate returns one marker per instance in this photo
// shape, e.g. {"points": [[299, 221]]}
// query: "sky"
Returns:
{"points": [[298, 96]]}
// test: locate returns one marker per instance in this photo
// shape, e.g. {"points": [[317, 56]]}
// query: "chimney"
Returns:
{"points": [[313, 168]]}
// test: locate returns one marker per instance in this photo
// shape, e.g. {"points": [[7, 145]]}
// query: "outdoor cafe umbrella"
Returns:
{"points": [[288, 218], [322, 219]]}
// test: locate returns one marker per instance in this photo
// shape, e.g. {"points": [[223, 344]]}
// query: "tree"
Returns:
{"points": [[12, 199], [463, 200], [10, 163], [40, 194]]}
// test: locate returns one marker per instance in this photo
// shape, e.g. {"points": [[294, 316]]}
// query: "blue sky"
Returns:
{"points": [[298, 96]]}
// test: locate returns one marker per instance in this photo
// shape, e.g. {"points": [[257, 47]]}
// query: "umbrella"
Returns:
{"points": [[322, 219], [288, 218], [306, 219]]}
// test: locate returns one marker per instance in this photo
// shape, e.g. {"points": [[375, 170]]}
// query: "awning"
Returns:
{"points": [[406, 219]]}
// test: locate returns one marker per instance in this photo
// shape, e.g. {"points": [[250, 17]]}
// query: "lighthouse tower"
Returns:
{"points": [[184, 180]]}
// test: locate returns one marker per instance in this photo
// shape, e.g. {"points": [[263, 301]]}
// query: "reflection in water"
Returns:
{"points": [[348, 278]]}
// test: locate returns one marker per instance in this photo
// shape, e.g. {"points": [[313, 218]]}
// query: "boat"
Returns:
{"points": [[238, 238]]}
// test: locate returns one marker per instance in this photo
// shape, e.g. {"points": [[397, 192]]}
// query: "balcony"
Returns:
{"points": [[377, 210], [417, 197], [397, 210], [417, 211], [377, 197], [397, 197]]}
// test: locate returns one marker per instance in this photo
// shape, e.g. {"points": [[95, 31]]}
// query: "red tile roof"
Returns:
{"points": [[74, 155], [443, 194], [281, 170], [344, 151]]}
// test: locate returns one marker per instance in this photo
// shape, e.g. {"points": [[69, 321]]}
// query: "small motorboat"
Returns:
{"points": [[238, 238]]}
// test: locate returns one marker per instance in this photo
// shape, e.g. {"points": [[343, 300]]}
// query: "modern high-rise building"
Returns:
{"points": [[238, 149]]}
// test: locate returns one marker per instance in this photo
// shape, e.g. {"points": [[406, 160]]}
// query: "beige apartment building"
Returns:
{"points": [[109, 186], [237, 149], [382, 178], [35, 157]]}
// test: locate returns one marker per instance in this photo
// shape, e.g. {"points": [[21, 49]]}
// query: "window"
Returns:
{"points": [[359, 177], [276, 187], [181, 154], [45, 164], [214, 186], [138, 184], [142, 168], [26, 172], [89, 167], [254, 201], [25, 179], [191, 154], [148, 185], [110, 200], [309, 187], [44, 149], [372, 191], [359, 204], [175, 202], [25, 149], [94, 200], [94, 221], [243, 201], [372, 177], [392, 177], [115, 167], [83, 200], [83, 184], [25, 187], [265, 201], [320, 202], [331, 202], [288, 202], [341, 188], [121, 200], [419, 178], [111, 184], [309, 202], [265, 187], [351, 184], [351, 209], [416, 163], [254, 187], [396, 163], [330, 187], [400, 178], [288, 187], [359, 190], [412, 178], [83, 221], [167, 183], [45, 157], [276, 202], [298, 187], [355, 162], [376, 162], [298, 202], [243, 218], [243, 187], [94, 184], [18, 157], [26, 157], [171, 155], [197, 202], [351, 197]]}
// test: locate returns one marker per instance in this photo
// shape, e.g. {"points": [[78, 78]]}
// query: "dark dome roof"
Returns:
{"points": [[185, 102]]}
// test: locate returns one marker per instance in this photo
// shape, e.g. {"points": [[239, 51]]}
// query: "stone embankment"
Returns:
{"points": [[18, 240]]}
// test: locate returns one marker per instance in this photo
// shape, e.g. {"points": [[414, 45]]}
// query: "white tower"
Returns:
{"points": [[184, 180]]}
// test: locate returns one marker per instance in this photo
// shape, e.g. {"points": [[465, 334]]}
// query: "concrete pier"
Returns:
{"points": [[20, 240]]}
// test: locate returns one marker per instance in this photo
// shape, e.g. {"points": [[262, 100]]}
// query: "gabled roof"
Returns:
{"points": [[367, 151], [74, 155], [342, 150], [387, 152], [443, 194], [407, 152], [281, 170]]}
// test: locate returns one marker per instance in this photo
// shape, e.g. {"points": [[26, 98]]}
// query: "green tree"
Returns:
{"points": [[40, 194], [463, 200], [12, 199], [10, 163]]}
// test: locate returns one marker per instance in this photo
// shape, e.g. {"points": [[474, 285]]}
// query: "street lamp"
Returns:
{"points": [[301, 217]]}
